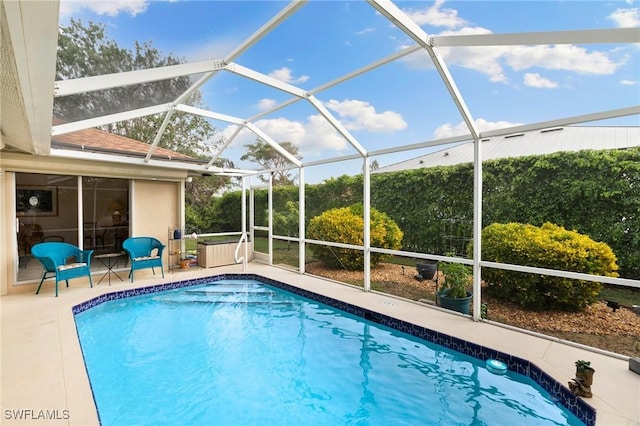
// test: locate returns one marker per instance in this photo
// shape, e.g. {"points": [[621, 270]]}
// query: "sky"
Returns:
{"points": [[403, 102]]}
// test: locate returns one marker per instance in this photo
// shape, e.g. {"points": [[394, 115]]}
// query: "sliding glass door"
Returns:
{"points": [[105, 217], [47, 208]]}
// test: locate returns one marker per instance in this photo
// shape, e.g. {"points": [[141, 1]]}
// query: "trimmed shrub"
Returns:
{"points": [[346, 225], [549, 246]]}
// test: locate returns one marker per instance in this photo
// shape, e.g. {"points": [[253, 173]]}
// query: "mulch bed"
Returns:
{"points": [[598, 326]]}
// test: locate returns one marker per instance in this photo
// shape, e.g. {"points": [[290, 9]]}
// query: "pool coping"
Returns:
{"points": [[576, 405]]}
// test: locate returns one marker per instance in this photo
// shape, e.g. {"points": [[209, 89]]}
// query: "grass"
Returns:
{"points": [[624, 296], [284, 252]]}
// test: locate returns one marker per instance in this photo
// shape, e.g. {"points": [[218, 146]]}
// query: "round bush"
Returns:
{"points": [[549, 246], [346, 225]]}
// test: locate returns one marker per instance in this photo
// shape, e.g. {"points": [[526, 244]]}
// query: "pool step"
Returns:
{"points": [[230, 289], [227, 293], [217, 300]]}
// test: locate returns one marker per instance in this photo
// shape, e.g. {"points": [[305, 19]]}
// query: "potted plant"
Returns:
{"points": [[454, 294], [581, 385]]}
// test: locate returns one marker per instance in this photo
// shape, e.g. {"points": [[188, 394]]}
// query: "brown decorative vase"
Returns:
{"points": [[581, 385]]}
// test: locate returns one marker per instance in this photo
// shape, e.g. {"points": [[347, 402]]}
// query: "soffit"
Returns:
{"points": [[29, 46]]}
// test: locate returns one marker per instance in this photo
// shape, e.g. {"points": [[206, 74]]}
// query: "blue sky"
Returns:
{"points": [[403, 102]]}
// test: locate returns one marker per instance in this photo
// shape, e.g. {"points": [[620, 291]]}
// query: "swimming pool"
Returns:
{"points": [[200, 353]]}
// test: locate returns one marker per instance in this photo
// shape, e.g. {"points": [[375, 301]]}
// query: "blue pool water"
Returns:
{"points": [[238, 352]]}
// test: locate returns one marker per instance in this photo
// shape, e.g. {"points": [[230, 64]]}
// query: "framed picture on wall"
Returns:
{"points": [[41, 200]]}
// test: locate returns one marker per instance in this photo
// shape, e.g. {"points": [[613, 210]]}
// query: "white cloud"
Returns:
{"points": [[312, 137], [491, 60], [265, 104], [365, 31], [103, 7], [560, 57], [315, 135], [482, 59], [628, 82], [494, 61], [360, 115], [625, 18], [284, 74], [536, 80], [321, 136], [282, 129], [448, 130], [436, 16]]}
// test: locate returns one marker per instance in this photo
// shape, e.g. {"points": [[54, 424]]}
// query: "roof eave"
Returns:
{"points": [[29, 47]]}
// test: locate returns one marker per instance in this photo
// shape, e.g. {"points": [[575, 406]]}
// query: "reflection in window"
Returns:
{"points": [[105, 213], [46, 210]]}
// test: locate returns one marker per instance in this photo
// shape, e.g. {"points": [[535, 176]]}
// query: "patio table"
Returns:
{"points": [[110, 260]]}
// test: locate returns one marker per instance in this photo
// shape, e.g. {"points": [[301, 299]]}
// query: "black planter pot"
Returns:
{"points": [[428, 269], [462, 305]]}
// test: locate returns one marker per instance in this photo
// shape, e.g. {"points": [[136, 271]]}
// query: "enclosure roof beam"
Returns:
{"points": [[413, 30], [216, 116], [337, 125], [156, 139], [435, 142], [604, 36], [265, 79], [286, 154], [107, 119], [201, 81], [210, 114], [273, 23], [339, 80], [224, 146], [130, 78], [567, 121]]}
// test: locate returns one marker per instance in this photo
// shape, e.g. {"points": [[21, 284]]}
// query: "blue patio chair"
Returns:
{"points": [[62, 260], [144, 252]]}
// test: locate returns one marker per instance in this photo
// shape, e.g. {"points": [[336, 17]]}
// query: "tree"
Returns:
{"points": [[288, 221], [85, 50], [201, 189], [266, 156]]}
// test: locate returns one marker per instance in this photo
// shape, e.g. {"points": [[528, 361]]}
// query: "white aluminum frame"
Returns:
{"points": [[429, 43]]}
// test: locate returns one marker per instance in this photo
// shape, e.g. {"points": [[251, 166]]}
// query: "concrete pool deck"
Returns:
{"points": [[43, 379]]}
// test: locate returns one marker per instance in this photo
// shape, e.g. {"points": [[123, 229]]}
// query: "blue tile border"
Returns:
{"points": [[577, 406]]}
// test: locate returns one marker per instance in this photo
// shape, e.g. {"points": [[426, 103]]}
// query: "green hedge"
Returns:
{"points": [[548, 246], [597, 193]]}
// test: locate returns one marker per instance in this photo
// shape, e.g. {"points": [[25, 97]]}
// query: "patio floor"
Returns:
{"points": [[42, 366]]}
